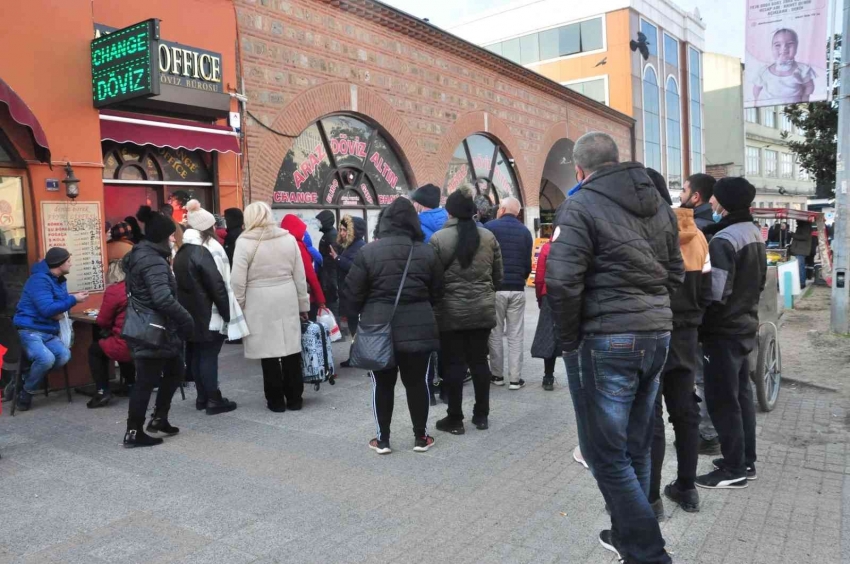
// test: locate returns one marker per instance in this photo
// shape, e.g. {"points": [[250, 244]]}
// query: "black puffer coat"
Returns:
{"points": [[470, 293], [328, 276], [199, 286], [150, 281], [615, 257], [373, 281]]}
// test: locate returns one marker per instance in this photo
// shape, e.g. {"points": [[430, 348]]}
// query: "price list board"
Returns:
{"points": [[77, 227]]}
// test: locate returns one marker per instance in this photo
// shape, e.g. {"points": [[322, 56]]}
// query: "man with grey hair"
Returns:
{"points": [[613, 264], [516, 243]]}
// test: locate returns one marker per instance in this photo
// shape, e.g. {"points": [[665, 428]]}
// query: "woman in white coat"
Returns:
{"points": [[269, 283]]}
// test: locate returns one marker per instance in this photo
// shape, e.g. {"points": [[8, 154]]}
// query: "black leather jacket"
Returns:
{"points": [[199, 286], [150, 281]]}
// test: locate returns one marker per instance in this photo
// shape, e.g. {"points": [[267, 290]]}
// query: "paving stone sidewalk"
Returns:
{"points": [[257, 487]]}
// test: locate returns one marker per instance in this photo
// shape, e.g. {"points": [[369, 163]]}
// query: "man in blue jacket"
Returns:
{"points": [[43, 302], [516, 243], [426, 200]]}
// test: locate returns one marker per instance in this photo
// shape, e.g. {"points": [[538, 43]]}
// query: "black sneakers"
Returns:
{"points": [[381, 447], [480, 423], [100, 399], [606, 539], [449, 425], [686, 499], [719, 463], [722, 479], [497, 380], [422, 444], [517, 385], [709, 447], [548, 383], [218, 404], [159, 425]]}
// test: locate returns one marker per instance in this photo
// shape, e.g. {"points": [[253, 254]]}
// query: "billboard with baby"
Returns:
{"points": [[786, 60]]}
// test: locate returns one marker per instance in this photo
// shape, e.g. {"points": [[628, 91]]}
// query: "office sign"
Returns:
{"points": [[786, 59], [124, 64]]}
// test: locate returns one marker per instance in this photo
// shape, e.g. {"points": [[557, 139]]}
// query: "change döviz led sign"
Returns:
{"points": [[124, 64]]}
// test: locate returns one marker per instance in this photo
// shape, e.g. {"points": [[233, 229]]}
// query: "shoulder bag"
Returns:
{"points": [[373, 346], [142, 325]]}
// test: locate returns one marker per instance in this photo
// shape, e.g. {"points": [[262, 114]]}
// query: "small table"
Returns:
{"points": [[89, 389]]}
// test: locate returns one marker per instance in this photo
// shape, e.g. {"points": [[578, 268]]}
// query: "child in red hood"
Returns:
{"points": [[298, 228]]}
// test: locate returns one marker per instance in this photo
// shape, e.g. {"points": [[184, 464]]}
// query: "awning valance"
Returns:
{"points": [[140, 129], [22, 114]]}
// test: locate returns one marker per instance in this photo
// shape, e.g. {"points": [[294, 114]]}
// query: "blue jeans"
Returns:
{"points": [[204, 366], [46, 352], [801, 265], [613, 381]]}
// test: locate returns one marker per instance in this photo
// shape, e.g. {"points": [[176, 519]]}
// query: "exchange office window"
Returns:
{"points": [[341, 161], [480, 163], [578, 37], [596, 89], [651, 120], [674, 135], [135, 176]]}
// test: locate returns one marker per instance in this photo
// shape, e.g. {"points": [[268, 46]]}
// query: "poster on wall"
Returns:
{"points": [[786, 59], [77, 227]]}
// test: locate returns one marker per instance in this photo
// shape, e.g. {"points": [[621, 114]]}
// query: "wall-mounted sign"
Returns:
{"points": [[124, 64], [77, 227], [181, 65], [52, 184]]}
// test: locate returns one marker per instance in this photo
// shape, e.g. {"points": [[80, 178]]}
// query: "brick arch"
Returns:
{"points": [[330, 98], [558, 131], [470, 124]]}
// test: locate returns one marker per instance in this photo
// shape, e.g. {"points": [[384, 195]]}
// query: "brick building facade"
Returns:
{"points": [[423, 89]]}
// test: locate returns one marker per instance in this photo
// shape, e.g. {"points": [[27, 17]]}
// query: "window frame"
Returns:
{"points": [[678, 64], [659, 50], [560, 25], [767, 171], [589, 79], [757, 157], [681, 131], [690, 113], [768, 111], [787, 160], [753, 111], [643, 109]]}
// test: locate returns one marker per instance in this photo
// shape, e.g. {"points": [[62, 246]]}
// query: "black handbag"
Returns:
{"points": [[373, 345], [143, 326]]}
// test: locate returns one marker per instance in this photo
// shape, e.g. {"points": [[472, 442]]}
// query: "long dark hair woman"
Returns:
{"points": [[472, 261], [151, 288], [202, 271], [371, 288]]}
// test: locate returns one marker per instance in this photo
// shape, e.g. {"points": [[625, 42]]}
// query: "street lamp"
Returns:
{"points": [[71, 182]]}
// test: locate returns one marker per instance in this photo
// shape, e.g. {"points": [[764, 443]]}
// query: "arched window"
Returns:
{"points": [[651, 120], [341, 161], [480, 163], [674, 135]]}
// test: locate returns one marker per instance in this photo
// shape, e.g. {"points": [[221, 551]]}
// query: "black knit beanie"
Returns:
{"points": [[460, 204], [427, 195], [734, 193], [158, 228]]}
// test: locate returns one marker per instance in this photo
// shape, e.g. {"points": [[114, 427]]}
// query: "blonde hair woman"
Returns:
{"points": [[270, 284]]}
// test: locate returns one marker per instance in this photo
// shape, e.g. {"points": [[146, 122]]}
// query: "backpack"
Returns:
{"points": [[317, 361]]}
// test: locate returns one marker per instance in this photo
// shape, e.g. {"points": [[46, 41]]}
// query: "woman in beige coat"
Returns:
{"points": [[269, 283]]}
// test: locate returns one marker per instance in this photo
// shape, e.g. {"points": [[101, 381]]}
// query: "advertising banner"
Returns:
{"points": [[786, 60]]}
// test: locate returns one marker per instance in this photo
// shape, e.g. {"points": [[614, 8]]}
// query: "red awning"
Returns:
{"points": [[125, 127], [22, 114]]}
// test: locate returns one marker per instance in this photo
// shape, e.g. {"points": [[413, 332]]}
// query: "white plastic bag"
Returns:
{"points": [[66, 332], [326, 318]]}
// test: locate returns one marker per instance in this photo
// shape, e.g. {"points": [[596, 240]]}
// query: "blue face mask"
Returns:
{"points": [[716, 217]]}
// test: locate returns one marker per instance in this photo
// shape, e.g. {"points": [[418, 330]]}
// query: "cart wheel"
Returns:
{"points": [[767, 373]]}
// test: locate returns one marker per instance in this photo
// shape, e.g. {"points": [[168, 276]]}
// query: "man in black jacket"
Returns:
{"points": [[613, 263], [738, 270], [328, 276]]}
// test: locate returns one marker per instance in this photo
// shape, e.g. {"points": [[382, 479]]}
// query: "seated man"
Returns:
{"points": [[43, 302]]}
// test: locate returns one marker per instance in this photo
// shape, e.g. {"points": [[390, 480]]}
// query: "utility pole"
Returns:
{"points": [[841, 242]]}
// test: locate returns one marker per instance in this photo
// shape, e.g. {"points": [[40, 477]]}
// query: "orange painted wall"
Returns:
{"points": [[46, 60], [617, 67]]}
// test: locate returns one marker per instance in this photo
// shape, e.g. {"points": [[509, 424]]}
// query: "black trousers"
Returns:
{"points": [[460, 350], [414, 375], [677, 388], [729, 396], [204, 366], [282, 380], [99, 366], [150, 373], [549, 366]]}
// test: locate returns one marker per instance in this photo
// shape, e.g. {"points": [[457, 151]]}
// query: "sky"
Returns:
{"points": [[724, 19]]}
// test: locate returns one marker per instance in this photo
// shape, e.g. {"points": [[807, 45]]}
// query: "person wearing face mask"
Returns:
{"points": [[729, 329], [696, 194]]}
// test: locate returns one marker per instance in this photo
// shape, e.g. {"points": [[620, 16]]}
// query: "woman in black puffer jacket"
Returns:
{"points": [[370, 289], [151, 284]]}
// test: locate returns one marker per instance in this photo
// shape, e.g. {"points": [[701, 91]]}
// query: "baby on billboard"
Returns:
{"points": [[785, 80]]}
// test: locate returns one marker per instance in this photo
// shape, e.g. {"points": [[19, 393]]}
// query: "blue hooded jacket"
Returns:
{"points": [[314, 252], [432, 221], [44, 296]]}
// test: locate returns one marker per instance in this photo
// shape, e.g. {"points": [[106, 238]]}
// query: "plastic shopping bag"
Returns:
{"points": [[326, 318], [66, 331]]}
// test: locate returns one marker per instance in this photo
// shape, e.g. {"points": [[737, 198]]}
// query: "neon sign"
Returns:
{"points": [[124, 64]]}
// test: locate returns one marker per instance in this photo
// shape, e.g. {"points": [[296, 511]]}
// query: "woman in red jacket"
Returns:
{"points": [[298, 228], [111, 348], [545, 343]]}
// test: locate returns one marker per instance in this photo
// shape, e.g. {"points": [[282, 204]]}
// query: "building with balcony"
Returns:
{"points": [[586, 47]]}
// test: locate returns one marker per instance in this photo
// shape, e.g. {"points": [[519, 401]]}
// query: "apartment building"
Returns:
{"points": [[586, 47]]}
